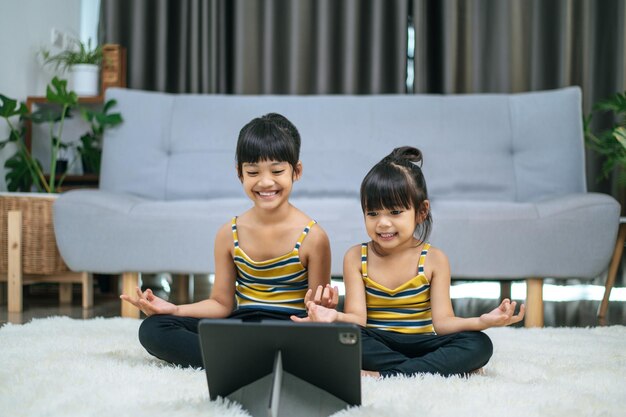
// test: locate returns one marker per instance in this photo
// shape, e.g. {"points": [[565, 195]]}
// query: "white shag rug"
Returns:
{"points": [[64, 367]]}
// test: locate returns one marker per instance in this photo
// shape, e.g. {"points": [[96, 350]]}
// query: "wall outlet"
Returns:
{"points": [[70, 41], [57, 38]]}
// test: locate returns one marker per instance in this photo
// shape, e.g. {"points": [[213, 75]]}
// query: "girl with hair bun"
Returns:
{"points": [[398, 285]]}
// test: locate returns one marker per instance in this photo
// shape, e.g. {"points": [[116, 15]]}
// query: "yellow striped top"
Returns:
{"points": [[405, 309], [277, 284]]}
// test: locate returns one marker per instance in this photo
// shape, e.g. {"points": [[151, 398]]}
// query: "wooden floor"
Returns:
{"points": [[470, 299]]}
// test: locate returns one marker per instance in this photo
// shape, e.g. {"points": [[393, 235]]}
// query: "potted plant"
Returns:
{"points": [[24, 171], [38, 251], [611, 143], [83, 63], [90, 147]]}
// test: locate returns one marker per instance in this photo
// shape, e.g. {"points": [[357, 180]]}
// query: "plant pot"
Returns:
{"points": [[61, 167], [91, 164], [84, 79], [88, 168]]}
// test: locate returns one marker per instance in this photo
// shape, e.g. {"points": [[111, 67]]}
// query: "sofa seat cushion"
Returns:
{"points": [[555, 238], [483, 240]]}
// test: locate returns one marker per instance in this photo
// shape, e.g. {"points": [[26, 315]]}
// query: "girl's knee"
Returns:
{"points": [[485, 342], [482, 346], [149, 331]]}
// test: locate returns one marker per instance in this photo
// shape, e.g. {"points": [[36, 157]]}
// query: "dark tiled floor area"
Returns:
{"points": [[469, 299]]}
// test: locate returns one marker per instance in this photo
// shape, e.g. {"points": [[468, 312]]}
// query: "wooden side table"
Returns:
{"points": [[613, 267]]}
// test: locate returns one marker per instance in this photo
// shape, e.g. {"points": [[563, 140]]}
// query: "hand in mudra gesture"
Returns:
{"points": [[504, 314], [317, 313], [149, 303], [320, 306]]}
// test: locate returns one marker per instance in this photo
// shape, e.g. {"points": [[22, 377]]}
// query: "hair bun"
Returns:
{"points": [[407, 154]]}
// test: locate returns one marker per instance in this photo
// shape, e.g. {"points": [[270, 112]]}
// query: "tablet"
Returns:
{"points": [[326, 355]]}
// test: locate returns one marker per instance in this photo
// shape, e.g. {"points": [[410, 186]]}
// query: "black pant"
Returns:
{"points": [[393, 353], [175, 339]]}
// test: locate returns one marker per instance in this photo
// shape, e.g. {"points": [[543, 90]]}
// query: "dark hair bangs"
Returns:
{"points": [[385, 187], [262, 148], [264, 141]]}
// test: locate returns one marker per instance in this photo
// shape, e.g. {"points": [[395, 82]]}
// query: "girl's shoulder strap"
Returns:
{"points": [[304, 234], [422, 261], [234, 229], [364, 260]]}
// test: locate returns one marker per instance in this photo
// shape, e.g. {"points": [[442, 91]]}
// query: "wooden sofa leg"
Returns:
{"points": [[65, 293], [611, 274], [130, 281], [534, 303], [182, 288], [505, 290], [87, 289]]}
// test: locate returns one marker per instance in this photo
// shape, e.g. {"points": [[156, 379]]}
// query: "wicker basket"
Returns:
{"points": [[40, 254]]}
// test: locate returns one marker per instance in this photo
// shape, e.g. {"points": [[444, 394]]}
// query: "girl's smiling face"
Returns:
{"points": [[395, 227], [391, 228], [269, 183]]}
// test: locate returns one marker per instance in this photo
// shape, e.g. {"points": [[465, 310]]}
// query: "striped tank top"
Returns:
{"points": [[278, 284], [405, 309]]}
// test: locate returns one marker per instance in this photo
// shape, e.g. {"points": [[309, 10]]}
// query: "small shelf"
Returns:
{"points": [[99, 99], [30, 100], [72, 182]]}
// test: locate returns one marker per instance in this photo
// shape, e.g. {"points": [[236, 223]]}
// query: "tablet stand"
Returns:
{"points": [[281, 394]]}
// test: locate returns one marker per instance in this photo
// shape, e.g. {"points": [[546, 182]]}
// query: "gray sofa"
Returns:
{"points": [[506, 176]]}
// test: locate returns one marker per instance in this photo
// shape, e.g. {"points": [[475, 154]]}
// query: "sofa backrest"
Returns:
{"points": [[504, 147]]}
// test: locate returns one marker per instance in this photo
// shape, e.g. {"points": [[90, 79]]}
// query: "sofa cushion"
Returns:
{"points": [[492, 240], [496, 147]]}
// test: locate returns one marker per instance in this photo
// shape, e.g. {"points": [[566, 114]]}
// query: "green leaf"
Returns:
{"points": [[619, 133], [107, 106], [112, 119], [10, 107], [19, 176], [56, 92], [616, 104]]}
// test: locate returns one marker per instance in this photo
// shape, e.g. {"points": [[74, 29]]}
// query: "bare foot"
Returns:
{"points": [[479, 371], [371, 374]]}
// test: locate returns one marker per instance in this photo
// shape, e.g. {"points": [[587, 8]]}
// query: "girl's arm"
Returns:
{"points": [[444, 320], [354, 305], [317, 257], [316, 251], [221, 302], [355, 308]]}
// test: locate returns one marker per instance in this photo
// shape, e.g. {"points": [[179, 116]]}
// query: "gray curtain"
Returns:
{"points": [[171, 45], [466, 46], [360, 47], [261, 46], [482, 46]]}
